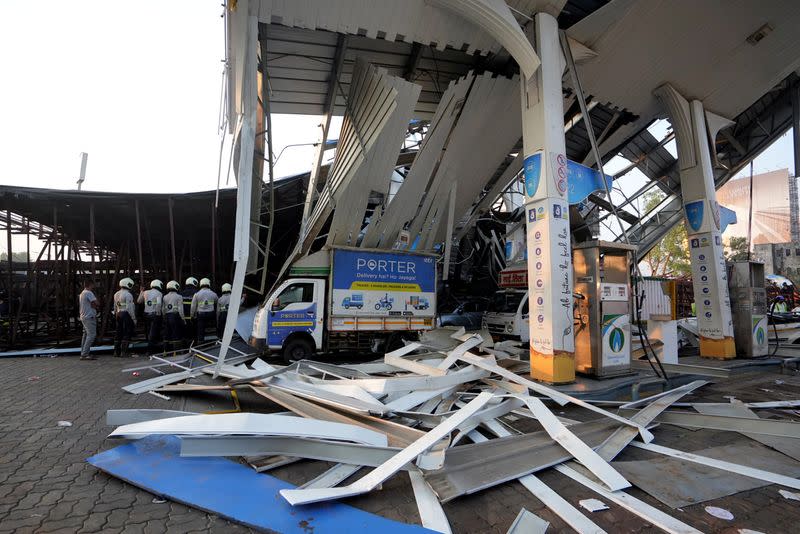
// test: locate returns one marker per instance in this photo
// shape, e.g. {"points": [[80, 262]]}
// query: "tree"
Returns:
{"points": [[737, 249], [670, 256]]}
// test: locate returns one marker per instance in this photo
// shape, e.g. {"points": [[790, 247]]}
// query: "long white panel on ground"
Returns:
{"points": [[390, 467], [252, 424]]}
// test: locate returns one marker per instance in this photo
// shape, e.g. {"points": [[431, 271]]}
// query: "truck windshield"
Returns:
{"points": [[503, 302]]}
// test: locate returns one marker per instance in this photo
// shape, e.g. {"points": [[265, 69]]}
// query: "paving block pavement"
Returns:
{"points": [[47, 486]]}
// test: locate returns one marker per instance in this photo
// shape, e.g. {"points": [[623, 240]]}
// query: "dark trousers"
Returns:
{"points": [[221, 319], [189, 329], [174, 324], [125, 331], [203, 321], [153, 325]]}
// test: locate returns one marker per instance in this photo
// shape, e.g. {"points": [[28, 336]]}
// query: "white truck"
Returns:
{"points": [[348, 299], [507, 314]]}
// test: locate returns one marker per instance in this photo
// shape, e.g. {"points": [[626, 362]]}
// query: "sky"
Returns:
{"points": [[137, 86]]}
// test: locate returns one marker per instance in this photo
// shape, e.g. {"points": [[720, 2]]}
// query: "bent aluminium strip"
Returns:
{"points": [[397, 462], [769, 427], [577, 448], [312, 449], [254, 424], [556, 395], [752, 472], [651, 514]]}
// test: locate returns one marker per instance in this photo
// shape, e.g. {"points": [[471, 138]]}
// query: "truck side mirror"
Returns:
{"points": [[276, 304]]}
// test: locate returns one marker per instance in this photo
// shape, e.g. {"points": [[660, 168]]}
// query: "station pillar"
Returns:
{"points": [[701, 214], [552, 344]]}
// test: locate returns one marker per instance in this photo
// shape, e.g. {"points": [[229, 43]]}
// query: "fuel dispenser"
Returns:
{"points": [[602, 324], [748, 294]]}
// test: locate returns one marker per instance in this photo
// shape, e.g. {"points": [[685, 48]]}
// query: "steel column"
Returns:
{"points": [[701, 212], [330, 99], [552, 343]]}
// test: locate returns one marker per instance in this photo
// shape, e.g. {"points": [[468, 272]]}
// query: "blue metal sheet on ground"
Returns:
{"points": [[232, 490]]}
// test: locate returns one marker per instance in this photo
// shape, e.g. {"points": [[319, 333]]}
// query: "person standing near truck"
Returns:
{"points": [[203, 309], [222, 309], [88, 306], [189, 289], [125, 314], [172, 310], [152, 314]]}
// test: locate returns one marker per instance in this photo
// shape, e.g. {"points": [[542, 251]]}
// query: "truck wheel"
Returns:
{"points": [[297, 349], [346, 306]]}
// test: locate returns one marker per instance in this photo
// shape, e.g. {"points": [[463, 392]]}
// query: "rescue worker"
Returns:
{"points": [[125, 314], [189, 289], [172, 310], [780, 305], [204, 304], [151, 299], [222, 309]]}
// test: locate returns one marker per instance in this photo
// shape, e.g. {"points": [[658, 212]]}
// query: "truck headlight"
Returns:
{"points": [[509, 327]]}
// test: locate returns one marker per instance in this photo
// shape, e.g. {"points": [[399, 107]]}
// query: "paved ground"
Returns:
{"points": [[46, 485]]}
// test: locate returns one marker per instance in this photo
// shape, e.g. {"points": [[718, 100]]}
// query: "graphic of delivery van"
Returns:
{"points": [[418, 303], [356, 300], [385, 303]]}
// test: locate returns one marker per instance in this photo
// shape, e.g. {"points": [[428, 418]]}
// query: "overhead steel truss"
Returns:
{"points": [[752, 132]]}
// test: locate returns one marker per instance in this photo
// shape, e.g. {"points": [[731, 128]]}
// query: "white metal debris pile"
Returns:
{"points": [[442, 411]]}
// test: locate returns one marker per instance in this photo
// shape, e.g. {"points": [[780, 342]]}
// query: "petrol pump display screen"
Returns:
{"points": [[383, 283]]}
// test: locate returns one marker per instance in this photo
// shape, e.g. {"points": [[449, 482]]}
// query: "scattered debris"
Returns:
{"points": [[64, 423], [593, 505], [528, 523], [789, 495], [720, 513], [157, 500], [414, 412]]}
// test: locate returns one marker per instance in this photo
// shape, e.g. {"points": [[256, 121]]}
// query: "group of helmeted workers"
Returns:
{"points": [[175, 318]]}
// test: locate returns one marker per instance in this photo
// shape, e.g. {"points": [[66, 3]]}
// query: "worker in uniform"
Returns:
{"points": [[151, 299], [189, 289], [125, 314], [222, 309], [780, 306], [172, 311], [204, 305]]}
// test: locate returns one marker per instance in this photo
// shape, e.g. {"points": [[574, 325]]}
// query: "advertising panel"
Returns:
{"points": [[367, 283]]}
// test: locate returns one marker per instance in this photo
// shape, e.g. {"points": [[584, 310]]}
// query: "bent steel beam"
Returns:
{"points": [[496, 19], [701, 212]]}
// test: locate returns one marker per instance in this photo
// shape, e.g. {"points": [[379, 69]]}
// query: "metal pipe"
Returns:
{"points": [[139, 245], [9, 293], [172, 241], [91, 235]]}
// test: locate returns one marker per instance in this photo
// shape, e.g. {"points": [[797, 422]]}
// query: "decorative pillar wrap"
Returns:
{"points": [[709, 276], [547, 213]]}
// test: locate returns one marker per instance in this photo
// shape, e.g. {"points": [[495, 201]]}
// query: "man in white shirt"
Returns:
{"points": [[88, 306], [203, 309], [125, 314], [152, 301]]}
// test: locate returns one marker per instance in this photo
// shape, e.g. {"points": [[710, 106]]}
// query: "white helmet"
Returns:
{"points": [[156, 284], [191, 281], [172, 284], [226, 288], [127, 283], [205, 282]]}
